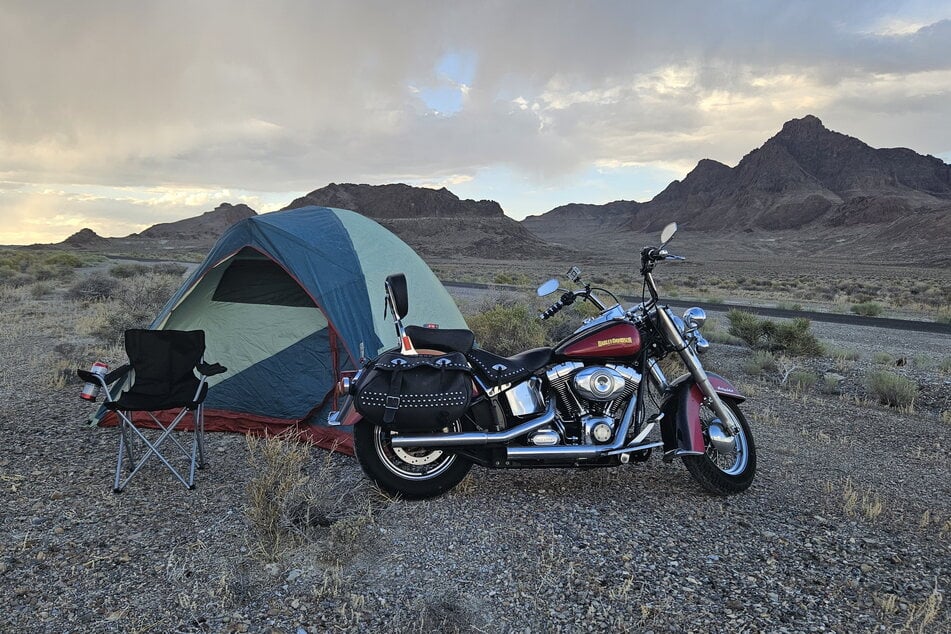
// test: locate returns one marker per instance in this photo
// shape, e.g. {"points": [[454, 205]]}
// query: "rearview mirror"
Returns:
{"points": [[548, 287], [668, 233]]}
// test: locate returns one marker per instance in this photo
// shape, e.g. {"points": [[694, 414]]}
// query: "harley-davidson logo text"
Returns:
{"points": [[615, 341]]}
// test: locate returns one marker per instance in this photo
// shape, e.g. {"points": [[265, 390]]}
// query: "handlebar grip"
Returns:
{"points": [[554, 308]]}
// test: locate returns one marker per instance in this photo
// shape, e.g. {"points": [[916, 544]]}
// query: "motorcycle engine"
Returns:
{"points": [[591, 398]]}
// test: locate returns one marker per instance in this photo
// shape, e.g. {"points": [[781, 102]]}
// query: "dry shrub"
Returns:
{"points": [[295, 500], [507, 330], [131, 303], [125, 271], [892, 389], [867, 309], [794, 337], [93, 288]]}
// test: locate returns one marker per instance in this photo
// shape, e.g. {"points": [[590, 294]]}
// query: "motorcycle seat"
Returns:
{"points": [[497, 370], [442, 339]]}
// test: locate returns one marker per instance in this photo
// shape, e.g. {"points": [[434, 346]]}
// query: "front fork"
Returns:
{"points": [[695, 368]]}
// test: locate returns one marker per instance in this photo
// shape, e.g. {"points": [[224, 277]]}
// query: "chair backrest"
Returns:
{"points": [[164, 360]]}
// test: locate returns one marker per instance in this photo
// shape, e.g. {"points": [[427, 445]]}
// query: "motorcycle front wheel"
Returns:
{"points": [[409, 472], [724, 471]]}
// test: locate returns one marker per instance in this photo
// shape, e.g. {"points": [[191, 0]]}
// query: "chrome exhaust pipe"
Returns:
{"points": [[580, 452], [476, 438]]}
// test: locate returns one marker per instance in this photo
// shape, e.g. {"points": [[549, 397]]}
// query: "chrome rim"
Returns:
{"points": [[731, 462], [413, 463]]}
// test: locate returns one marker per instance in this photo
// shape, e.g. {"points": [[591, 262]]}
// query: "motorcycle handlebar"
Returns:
{"points": [[566, 300], [653, 254]]}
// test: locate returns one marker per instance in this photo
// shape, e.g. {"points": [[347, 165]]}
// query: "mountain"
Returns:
{"points": [[804, 177], [197, 233], [435, 222], [207, 226], [398, 201], [86, 239]]}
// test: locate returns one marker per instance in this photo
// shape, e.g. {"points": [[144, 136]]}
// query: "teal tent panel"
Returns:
{"points": [[381, 254], [288, 384]]}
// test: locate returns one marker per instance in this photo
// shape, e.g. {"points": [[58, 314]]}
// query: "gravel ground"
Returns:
{"points": [[847, 527]]}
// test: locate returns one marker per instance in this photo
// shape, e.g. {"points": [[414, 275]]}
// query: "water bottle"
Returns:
{"points": [[91, 390]]}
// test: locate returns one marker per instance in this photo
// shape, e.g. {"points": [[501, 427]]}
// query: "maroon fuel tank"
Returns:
{"points": [[611, 339]]}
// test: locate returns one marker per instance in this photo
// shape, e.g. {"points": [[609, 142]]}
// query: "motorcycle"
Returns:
{"points": [[582, 403]]}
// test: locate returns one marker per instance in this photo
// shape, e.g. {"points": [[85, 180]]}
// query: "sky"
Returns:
{"points": [[119, 115]]}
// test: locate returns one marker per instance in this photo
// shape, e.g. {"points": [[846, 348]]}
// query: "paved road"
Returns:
{"points": [[837, 318]]}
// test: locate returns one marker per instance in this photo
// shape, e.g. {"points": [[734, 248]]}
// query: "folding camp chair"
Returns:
{"points": [[163, 365]]}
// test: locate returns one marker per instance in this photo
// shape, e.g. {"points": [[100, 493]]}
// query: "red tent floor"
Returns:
{"points": [[333, 438]]}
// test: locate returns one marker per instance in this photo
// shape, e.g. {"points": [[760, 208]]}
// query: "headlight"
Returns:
{"points": [[695, 317]]}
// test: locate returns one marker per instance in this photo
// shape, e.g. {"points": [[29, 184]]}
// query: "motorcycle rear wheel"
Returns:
{"points": [[724, 473], [412, 473]]}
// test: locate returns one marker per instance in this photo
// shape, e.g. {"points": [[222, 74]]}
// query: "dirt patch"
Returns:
{"points": [[847, 527]]}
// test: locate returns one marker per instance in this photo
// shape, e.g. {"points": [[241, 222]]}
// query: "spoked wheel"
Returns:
{"points": [[729, 465], [412, 472]]}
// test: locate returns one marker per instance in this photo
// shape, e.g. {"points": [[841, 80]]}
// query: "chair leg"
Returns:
{"points": [[153, 449], [126, 450], [124, 432], [115, 487], [200, 433]]}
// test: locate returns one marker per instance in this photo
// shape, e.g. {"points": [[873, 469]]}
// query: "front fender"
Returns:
{"points": [[680, 427]]}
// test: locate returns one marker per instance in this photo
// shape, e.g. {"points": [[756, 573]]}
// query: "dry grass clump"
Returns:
{"points": [[892, 389], [801, 381], [294, 499], [868, 503], [762, 362]]}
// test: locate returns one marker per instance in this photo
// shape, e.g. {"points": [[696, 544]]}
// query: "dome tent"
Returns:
{"points": [[287, 301]]}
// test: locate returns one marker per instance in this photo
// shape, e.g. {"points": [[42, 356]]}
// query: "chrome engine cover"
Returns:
{"points": [[526, 398], [599, 383], [597, 430]]}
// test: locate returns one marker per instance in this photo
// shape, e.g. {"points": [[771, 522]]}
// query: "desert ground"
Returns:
{"points": [[847, 527]]}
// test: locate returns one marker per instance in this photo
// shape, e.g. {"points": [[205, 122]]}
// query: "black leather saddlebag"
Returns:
{"points": [[414, 392]]}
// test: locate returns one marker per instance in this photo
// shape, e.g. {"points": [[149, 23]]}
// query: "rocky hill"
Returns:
{"points": [[191, 234], [806, 177], [435, 222], [86, 239], [398, 201], [209, 225]]}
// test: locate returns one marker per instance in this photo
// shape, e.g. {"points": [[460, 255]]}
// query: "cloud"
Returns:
{"points": [[286, 96]]}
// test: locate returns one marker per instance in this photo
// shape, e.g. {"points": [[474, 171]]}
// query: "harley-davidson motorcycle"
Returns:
{"points": [[422, 415]]}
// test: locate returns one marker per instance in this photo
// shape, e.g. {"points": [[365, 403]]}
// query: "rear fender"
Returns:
{"points": [[680, 427]]}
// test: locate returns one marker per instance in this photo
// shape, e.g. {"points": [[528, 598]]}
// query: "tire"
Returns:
{"points": [[724, 473], [409, 473]]}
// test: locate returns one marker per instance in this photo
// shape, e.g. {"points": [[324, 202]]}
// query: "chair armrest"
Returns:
{"points": [[118, 373], [211, 369], [90, 377]]}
